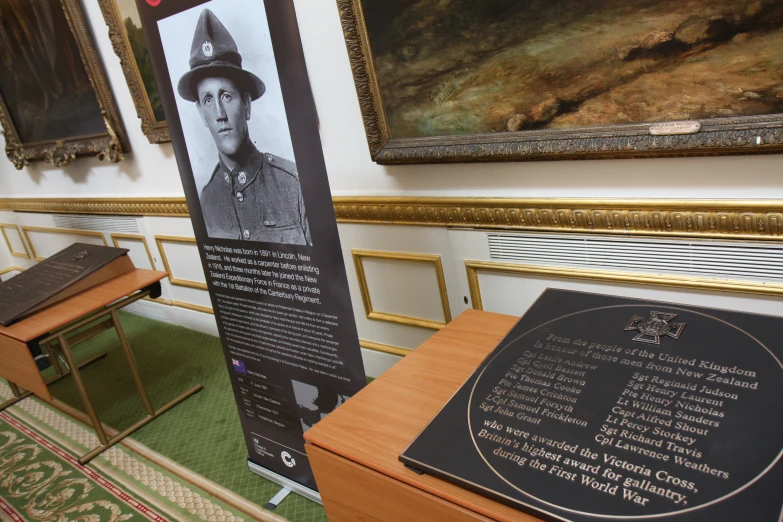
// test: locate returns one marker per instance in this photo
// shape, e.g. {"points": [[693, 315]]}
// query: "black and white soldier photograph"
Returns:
{"points": [[221, 62]]}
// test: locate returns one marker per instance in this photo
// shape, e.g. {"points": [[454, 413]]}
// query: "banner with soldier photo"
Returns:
{"points": [[242, 120]]}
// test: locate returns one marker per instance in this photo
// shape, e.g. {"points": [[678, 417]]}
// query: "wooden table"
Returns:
{"points": [[86, 313], [354, 451]]}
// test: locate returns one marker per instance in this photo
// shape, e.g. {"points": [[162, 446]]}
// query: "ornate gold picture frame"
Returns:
{"points": [[55, 102], [127, 39], [463, 81]]}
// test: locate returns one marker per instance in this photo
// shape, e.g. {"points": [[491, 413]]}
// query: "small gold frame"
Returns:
{"points": [[11, 269], [26, 229], [159, 240], [25, 254], [633, 278], [384, 348], [433, 259], [194, 307], [116, 237]]}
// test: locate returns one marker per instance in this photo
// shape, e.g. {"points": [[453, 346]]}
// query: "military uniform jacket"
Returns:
{"points": [[261, 200]]}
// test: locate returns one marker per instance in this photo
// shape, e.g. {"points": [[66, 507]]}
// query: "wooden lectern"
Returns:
{"points": [[354, 451], [60, 326]]}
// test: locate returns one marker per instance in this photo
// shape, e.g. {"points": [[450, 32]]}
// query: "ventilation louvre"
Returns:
{"points": [[761, 261], [126, 225]]}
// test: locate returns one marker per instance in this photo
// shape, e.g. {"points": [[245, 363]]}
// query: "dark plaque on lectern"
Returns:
{"points": [[61, 275], [596, 407]]}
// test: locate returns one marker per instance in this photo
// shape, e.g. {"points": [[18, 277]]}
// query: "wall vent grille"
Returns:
{"points": [[723, 260], [127, 225]]}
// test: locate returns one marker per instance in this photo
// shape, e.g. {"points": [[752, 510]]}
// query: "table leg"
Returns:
{"points": [[18, 396], [87, 457], [91, 417], [132, 363], [77, 379], [53, 356], [14, 389]]}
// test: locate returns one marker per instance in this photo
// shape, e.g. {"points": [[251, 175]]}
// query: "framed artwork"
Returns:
{"points": [[500, 80], [129, 43], [55, 103]]}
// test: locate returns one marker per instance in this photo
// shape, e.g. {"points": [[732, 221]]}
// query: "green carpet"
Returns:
{"points": [[203, 433], [38, 484], [41, 480]]}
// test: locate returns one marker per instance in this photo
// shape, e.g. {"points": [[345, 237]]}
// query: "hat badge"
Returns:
{"points": [[206, 48]]}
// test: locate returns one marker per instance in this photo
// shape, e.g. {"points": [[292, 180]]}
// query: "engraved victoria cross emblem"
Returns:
{"points": [[80, 255], [651, 330], [206, 48]]}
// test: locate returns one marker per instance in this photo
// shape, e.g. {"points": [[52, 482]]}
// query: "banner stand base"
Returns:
{"points": [[277, 499], [286, 483]]}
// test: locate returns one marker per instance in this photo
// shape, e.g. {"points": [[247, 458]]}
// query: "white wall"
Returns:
{"points": [[150, 170]]}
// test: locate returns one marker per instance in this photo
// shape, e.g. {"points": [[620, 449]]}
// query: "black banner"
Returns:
{"points": [[242, 120]]}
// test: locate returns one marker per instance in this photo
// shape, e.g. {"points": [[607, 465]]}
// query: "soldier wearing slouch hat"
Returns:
{"points": [[251, 195]]}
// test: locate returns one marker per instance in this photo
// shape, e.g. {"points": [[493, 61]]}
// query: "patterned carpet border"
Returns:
{"points": [[180, 495], [9, 513], [87, 471]]}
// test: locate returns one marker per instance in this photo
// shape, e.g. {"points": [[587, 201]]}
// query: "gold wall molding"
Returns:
{"points": [[433, 259], [633, 278], [183, 240], [181, 304], [195, 307], [11, 269], [169, 207], [725, 219], [383, 348], [721, 219], [116, 237], [26, 229], [25, 254]]}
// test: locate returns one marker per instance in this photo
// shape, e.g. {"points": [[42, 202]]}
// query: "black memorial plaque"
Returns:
{"points": [[601, 407], [42, 281]]}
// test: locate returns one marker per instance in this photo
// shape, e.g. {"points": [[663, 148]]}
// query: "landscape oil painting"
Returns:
{"points": [[122, 18], [460, 80]]}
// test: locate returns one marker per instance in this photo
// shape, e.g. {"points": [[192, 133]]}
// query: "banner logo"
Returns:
{"points": [[288, 460]]}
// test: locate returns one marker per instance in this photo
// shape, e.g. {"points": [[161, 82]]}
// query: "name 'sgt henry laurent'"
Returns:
{"points": [[252, 195]]}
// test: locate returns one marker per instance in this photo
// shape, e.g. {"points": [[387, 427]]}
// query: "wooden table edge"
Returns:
{"points": [[423, 486], [155, 276], [409, 477]]}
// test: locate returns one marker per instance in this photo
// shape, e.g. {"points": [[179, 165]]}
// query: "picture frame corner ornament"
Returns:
{"points": [[18, 157]]}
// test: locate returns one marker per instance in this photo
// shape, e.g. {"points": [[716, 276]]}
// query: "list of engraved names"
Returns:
{"points": [[642, 441]]}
